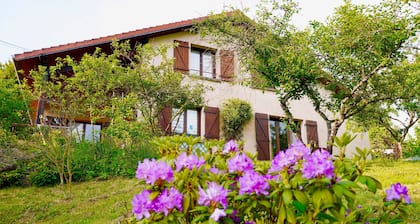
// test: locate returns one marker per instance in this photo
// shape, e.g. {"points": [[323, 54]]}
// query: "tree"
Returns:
{"points": [[398, 116], [348, 56], [127, 88], [13, 100], [357, 48], [270, 48]]}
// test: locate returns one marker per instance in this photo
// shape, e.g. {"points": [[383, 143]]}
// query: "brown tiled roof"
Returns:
{"points": [[101, 40]]}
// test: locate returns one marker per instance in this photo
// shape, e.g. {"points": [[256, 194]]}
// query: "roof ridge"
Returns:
{"points": [[107, 38]]}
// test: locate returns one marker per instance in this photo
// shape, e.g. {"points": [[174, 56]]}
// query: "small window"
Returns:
{"points": [[202, 63], [86, 131], [280, 136], [186, 122]]}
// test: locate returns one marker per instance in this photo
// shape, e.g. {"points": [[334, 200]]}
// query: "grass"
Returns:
{"points": [[108, 201], [389, 172], [92, 202]]}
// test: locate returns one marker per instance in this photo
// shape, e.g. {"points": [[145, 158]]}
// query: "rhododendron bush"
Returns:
{"points": [[227, 185]]}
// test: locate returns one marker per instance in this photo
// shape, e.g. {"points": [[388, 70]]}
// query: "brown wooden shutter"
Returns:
{"points": [[181, 54], [226, 65], [165, 120], [312, 133], [262, 136], [212, 123]]}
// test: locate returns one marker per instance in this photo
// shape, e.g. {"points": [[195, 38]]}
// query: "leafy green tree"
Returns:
{"points": [[127, 88], [13, 100], [357, 49], [396, 117], [270, 48], [340, 65]]}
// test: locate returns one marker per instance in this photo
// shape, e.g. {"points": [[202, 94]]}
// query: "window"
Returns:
{"points": [[280, 136], [86, 131], [202, 63], [186, 122]]}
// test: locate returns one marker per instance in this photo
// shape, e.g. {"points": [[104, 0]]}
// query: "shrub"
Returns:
{"points": [[230, 186], [235, 113]]}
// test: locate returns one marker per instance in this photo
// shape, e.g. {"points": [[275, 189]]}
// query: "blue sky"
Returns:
{"points": [[27, 25]]}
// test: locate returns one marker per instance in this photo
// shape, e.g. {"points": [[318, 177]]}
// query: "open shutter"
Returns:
{"points": [[262, 136], [181, 54], [312, 133], [226, 65], [165, 120], [211, 123]]}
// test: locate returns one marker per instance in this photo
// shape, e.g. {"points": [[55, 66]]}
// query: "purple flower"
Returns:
{"points": [[230, 146], [142, 205], [217, 214], [188, 161], [214, 195], [240, 163], [396, 192], [319, 163], [252, 182], [168, 200], [285, 159], [298, 150], [152, 171], [281, 161]]}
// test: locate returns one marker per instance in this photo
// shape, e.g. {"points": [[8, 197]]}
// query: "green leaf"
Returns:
{"points": [[265, 203], [290, 215], [287, 196], [301, 197], [299, 206], [186, 203], [153, 195]]}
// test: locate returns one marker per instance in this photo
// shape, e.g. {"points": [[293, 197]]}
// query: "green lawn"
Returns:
{"points": [[108, 201]]}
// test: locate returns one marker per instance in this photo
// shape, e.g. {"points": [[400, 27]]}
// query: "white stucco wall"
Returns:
{"points": [[262, 101]]}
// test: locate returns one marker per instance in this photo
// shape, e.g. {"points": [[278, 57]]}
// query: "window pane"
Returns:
{"points": [[208, 63], [77, 130], [195, 62], [284, 144], [178, 122], [273, 137], [92, 132], [192, 122]]}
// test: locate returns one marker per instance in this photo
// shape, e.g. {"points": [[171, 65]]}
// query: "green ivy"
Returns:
{"points": [[235, 114]]}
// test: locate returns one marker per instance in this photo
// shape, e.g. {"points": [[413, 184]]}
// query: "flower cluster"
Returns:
{"points": [[318, 164], [397, 192], [252, 182], [164, 203], [240, 163], [188, 161], [286, 159], [152, 171], [230, 146]]}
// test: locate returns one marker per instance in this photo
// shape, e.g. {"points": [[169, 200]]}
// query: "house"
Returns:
{"points": [[218, 68]]}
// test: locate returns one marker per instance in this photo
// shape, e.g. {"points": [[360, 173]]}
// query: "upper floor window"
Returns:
{"points": [[202, 63]]}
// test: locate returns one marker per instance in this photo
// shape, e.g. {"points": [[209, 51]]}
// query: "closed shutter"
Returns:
{"points": [[181, 54], [211, 123], [226, 65], [312, 133], [262, 136], [165, 120]]}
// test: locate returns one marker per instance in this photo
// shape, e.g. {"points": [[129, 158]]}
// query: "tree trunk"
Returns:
{"points": [[398, 151], [334, 130], [289, 116]]}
